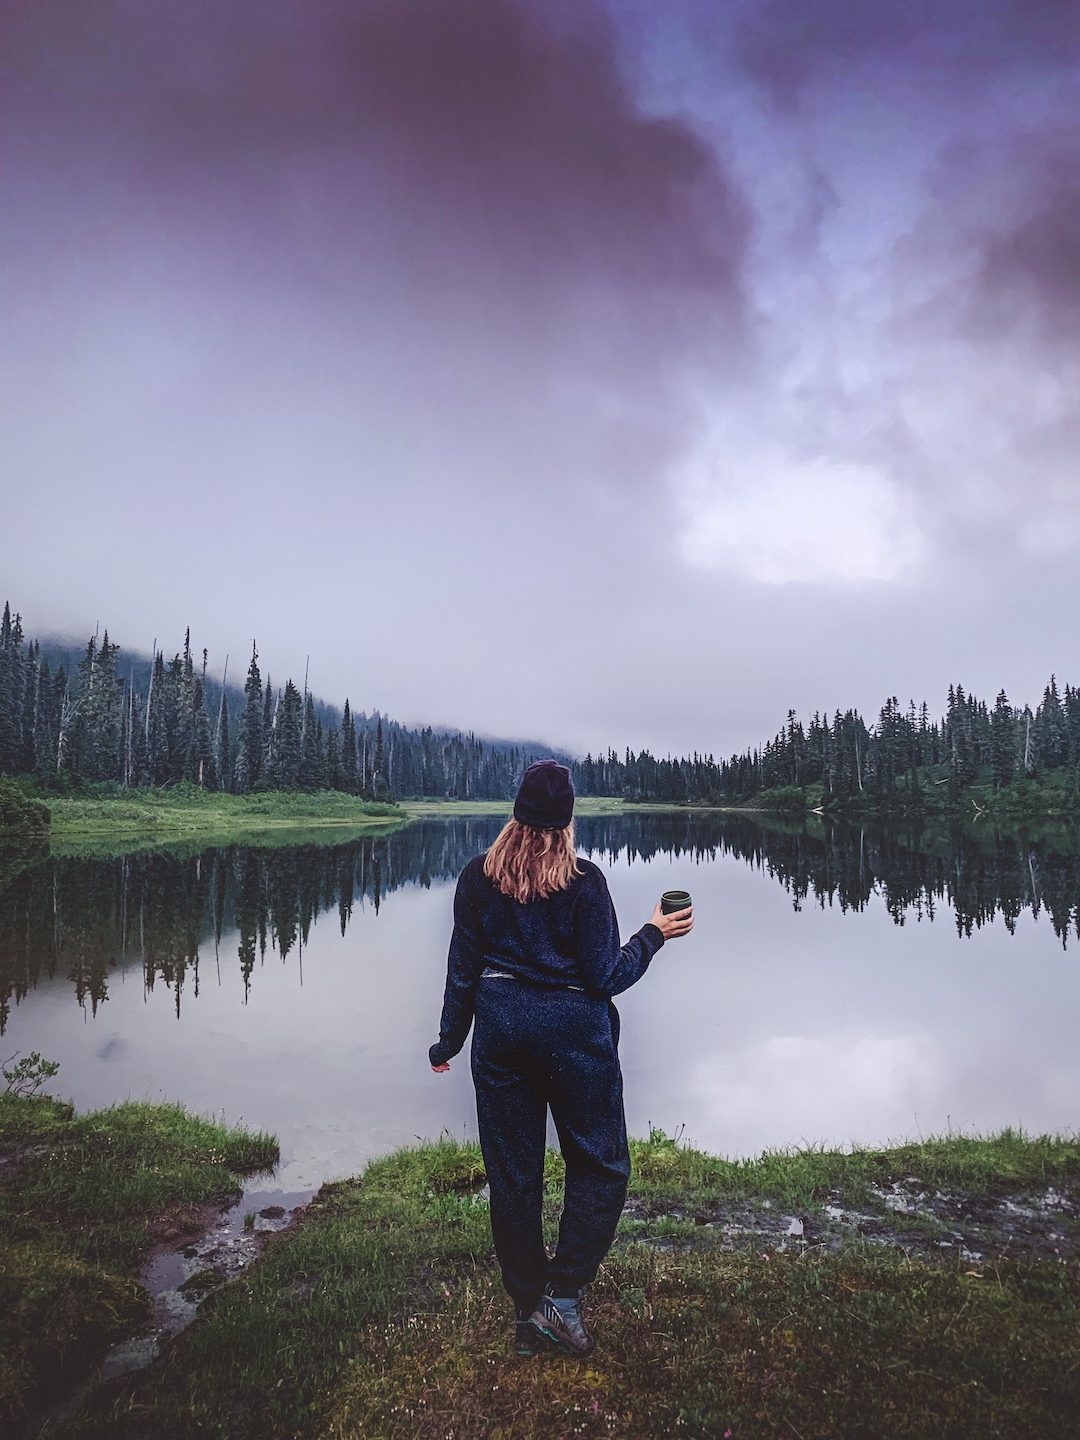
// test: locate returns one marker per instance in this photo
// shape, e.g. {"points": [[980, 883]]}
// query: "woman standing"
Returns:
{"points": [[534, 960]]}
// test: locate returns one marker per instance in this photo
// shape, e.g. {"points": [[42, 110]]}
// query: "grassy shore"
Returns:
{"points": [[80, 1199], [380, 1316], [583, 805], [186, 810]]}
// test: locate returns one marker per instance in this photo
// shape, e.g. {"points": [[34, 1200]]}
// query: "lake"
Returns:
{"points": [[842, 983]]}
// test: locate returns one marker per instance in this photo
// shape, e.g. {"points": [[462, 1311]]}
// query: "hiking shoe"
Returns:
{"points": [[527, 1339], [560, 1321]]}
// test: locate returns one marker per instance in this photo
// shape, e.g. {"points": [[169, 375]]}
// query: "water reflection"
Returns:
{"points": [[977, 871], [778, 1021], [82, 918]]}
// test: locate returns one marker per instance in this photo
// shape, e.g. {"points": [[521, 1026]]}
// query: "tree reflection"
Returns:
{"points": [[76, 920]]}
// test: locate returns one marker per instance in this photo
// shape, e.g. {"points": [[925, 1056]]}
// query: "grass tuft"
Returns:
{"points": [[978, 1165]]}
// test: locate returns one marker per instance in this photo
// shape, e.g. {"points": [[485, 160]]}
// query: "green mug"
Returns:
{"points": [[673, 900]]}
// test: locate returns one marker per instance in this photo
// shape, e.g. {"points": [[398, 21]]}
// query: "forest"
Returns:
{"points": [[107, 718], [902, 757], [96, 717]]}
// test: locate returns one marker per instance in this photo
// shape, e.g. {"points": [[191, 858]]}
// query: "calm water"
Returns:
{"points": [[840, 985]]}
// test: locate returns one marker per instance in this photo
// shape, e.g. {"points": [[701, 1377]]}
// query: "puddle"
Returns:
{"points": [[179, 1279], [178, 1276]]}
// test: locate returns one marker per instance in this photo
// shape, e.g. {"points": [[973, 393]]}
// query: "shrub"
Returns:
{"points": [[19, 812]]}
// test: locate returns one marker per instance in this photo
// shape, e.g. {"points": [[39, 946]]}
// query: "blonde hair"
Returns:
{"points": [[530, 864]]}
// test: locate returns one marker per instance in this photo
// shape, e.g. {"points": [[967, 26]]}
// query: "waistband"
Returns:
{"points": [[489, 973]]}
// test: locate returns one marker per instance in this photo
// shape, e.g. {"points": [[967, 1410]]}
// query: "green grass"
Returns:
{"points": [[381, 1317], [186, 810], [78, 1196], [978, 1166], [583, 805]]}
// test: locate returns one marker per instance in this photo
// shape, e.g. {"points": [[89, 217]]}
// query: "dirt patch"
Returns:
{"points": [[906, 1215]]}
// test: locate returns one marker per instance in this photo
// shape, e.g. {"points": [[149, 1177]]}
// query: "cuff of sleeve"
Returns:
{"points": [[654, 934], [437, 1055]]}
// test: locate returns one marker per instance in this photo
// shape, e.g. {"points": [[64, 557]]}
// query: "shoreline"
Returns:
{"points": [[188, 814]]}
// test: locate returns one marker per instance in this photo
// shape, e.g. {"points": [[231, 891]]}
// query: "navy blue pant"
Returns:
{"points": [[534, 1049]]}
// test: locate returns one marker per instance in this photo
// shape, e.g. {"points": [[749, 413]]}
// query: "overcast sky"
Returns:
{"points": [[614, 374]]}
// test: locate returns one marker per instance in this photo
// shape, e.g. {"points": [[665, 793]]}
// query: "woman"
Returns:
{"points": [[534, 960]]}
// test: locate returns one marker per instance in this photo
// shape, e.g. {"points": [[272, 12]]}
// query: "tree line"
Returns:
{"points": [[119, 720], [133, 723], [900, 752]]}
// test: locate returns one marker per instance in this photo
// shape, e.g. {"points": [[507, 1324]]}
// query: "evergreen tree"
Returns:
{"points": [[156, 724], [269, 714], [312, 770], [94, 751], [222, 747], [288, 723], [348, 752], [249, 750], [201, 767], [1051, 731], [335, 774], [380, 787], [1003, 733]]}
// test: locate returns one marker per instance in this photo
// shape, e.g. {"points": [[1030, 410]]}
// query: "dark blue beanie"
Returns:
{"points": [[546, 797]]}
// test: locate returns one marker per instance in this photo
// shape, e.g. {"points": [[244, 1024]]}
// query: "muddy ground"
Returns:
{"points": [[1044, 1224]]}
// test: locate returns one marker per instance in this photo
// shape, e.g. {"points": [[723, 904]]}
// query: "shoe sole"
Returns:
{"points": [[551, 1338]]}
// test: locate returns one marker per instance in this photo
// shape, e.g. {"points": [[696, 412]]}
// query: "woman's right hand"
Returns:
{"points": [[679, 922]]}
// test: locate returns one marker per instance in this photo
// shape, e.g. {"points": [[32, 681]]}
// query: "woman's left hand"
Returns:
{"points": [[441, 1069], [680, 922]]}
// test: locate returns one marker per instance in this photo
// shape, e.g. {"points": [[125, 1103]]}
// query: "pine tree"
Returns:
{"points": [[1003, 737], [10, 691], [269, 719], [156, 726], [222, 744], [94, 747], [201, 767], [380, 788], [348, 752], [1051, 732], [249, 750], [288, 723], [311, 773], [335, 773]]}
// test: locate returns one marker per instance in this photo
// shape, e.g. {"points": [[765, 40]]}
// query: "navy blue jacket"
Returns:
{"points": [[571, 938]]}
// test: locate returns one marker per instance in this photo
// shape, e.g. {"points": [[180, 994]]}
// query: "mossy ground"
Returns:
{"points": [[381, 1317], [78, 1195]]}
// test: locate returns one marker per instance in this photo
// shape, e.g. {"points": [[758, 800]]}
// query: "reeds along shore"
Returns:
{"points": [[814, 1292]]}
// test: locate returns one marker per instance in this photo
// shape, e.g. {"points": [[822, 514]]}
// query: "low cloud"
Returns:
{"points": [[771, 517]]}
